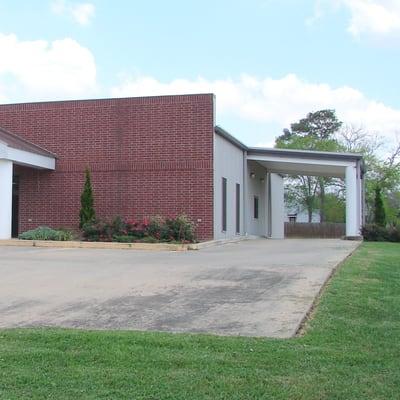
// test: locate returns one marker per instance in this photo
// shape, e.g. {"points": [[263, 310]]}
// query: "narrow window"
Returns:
{"points": [[224, 204], [255, 207], [237, 208]]}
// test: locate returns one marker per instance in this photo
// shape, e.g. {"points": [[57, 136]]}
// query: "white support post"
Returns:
{"points": [[277, 207], [352, 206], [245, 200], [268, 205], [6, 178]]}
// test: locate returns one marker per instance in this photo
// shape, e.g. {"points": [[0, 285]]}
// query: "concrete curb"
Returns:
{"points": [[120, 246], [95, 245]]}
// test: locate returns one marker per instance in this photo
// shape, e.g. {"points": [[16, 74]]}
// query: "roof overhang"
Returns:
{"points": [[27, 158], [22, 152], [298, 162], [302, 168], [313, 163]]}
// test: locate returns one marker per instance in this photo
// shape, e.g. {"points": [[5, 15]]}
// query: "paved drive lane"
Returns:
{"points": [[252, 288]]}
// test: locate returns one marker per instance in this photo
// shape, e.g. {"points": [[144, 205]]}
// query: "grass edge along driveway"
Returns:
{"points": [[351, 350]]}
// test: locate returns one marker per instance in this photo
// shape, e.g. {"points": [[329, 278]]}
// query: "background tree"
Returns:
{"points": [[87, 212], [380, 216], [301, 192], [335, 207], [392, 207], [315, 132], [382, 169]]}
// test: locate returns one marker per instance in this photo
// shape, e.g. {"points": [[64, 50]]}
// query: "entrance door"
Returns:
{"points": [[15, 206]]}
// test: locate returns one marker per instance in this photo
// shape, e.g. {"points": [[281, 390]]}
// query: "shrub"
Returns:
{"points": [[64, 235], [118, 227], [394, 233], [181, 229], [374, 233], [97, 230], [124, 238], [115, 230], [377, 233], [136, 229], [46, 233], [87, 213], [157, 228], [148, 239]]}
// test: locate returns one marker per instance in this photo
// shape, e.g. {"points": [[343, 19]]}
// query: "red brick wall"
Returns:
{"points": [[148, 156]]}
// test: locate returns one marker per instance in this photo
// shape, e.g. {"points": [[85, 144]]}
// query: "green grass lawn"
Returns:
{"points": [[351, 351]]}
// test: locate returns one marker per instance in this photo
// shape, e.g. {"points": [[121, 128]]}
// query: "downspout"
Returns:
{"points": [[361, 170], [245, 231]]}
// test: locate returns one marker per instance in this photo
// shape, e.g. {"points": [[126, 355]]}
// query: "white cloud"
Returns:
{"points": [[82, 13], [319, 11], [279, 101], [40, 69], [379, 17], [371, 17]]}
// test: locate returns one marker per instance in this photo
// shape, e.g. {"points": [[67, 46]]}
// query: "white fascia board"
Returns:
{"points": [[298, 160], [3, 151], [27, 158]]}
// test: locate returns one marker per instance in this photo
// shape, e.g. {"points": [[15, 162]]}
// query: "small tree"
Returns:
{"points": [[87, 212], [380, 215]]}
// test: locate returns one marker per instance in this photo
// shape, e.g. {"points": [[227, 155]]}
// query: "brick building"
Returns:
{"points": [[149, 156]]}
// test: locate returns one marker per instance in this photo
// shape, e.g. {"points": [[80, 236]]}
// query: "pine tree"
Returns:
{"points": [[380, 215], [87, 212]]}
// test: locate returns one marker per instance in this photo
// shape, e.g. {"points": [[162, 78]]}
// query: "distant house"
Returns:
{"points": [[299, 215], [151, 156]]}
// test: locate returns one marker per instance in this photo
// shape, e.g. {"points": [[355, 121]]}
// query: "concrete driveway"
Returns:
{"points": [[252, 288]]}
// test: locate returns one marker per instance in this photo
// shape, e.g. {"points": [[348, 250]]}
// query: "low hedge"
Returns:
{"points": [[377, 233], [157, 229]]}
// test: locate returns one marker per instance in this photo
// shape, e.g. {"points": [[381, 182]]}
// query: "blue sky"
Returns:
{"points": [[268, 61]]}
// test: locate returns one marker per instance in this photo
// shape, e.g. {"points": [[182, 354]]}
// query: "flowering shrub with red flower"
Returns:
{"points": [[179, 229]]}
